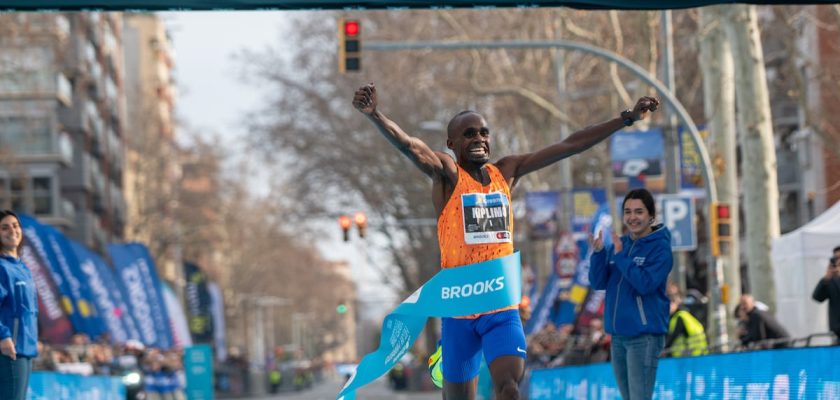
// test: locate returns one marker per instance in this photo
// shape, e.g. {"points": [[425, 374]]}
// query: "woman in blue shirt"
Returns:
{"points": [[634, 272], [18, 312]]}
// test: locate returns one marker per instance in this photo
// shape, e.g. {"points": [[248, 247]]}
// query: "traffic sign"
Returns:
{"points": [[678, 216]]}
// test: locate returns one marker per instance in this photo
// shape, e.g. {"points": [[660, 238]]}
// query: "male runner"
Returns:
{"points": [[472, 200]]}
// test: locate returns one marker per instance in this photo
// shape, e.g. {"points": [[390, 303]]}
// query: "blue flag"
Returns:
{"points": [[136, 270], [452, 292], [108, 296], [52, 246]]}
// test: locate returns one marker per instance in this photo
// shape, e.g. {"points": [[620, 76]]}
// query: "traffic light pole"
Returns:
{"points": [[718, 318]]}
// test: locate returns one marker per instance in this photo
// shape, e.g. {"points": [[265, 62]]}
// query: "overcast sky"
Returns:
{"points": [[212, 99]]}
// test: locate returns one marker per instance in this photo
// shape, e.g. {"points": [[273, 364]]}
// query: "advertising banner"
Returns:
{"points": [[199, 314], [109, 298], [800, 374], [52, 247], [180, 330], [55, 327], [136, 270]]}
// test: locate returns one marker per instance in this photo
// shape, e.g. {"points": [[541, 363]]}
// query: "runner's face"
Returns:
{"points": [[470, 139]]}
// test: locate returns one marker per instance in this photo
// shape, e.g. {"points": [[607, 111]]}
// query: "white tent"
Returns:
{"points": [[800, 259]]}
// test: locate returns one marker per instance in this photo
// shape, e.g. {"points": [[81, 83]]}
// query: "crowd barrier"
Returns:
{"points": [[58, 386], [784, 374]]}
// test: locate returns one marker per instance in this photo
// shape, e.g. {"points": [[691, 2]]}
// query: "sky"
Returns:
{"points": [[212, 99]]}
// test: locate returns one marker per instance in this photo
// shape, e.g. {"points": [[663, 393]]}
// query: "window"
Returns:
{"points": [[17, 194], [28, 194], [26, 136], [42, 195]]}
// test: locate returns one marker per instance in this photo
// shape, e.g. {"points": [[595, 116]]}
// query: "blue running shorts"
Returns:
{"points": [[463, 340]]}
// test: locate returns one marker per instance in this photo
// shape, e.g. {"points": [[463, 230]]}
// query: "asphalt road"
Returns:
{"points": [[377, 390]]}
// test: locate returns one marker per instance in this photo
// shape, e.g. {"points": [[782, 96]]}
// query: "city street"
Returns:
{"points": [[377, 390]]}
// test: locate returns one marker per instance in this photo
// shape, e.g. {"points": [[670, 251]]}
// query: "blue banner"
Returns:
{"points": [[198, 367], [541, 210], [54, 325], [804, 373], [636, 157], [136, 270], [108, 295], [452, 292], [52, 247], [56, 386]]}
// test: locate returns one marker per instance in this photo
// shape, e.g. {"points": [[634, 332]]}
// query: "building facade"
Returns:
{"points": [[62, 122]]}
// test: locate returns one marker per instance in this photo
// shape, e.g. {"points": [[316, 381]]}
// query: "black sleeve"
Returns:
{"points": [[821, 291], [679, 330]]}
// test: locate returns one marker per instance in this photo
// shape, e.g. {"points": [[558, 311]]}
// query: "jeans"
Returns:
{"points": [[14, 377], [634, 361]]}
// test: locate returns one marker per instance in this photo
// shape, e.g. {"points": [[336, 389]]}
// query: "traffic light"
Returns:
{"points": [[349, 45], [721, 236], [341, 308], [361, 223], [344, 222]]}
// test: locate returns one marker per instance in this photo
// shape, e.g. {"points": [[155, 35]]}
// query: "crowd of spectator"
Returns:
{"points": [[159, 374]]}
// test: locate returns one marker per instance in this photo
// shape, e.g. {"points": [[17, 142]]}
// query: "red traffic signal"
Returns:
{"points": [[349, 45], [721, 235], [723, 211], [351, 28]]}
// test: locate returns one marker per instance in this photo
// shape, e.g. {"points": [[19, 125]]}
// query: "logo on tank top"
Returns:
{"points": [[486, 218]]}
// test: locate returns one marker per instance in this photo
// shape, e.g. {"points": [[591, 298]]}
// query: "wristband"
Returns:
{"points": [[627, 117]]}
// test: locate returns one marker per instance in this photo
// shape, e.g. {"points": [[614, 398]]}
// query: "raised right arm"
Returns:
{"points": [[427, 160]]}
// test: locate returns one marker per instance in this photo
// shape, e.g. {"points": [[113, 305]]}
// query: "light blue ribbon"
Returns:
{"points": [[452, 292]]}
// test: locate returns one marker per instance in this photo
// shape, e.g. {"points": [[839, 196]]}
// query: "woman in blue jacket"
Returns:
{"points": [[634, 272], [18, 312]]}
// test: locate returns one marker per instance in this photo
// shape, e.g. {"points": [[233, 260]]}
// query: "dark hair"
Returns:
{"points": [[836, 249], [645, 197], [452, 121], [6, 213]]}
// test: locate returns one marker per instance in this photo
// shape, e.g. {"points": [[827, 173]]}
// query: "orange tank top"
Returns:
{"points": [[477, 222]]}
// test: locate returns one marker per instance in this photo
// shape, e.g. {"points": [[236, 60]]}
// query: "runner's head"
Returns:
{"points": [[469, 138]]}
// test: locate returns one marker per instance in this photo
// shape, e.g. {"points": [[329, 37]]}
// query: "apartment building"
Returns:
{"points": [[152, 168], [62, 122]]}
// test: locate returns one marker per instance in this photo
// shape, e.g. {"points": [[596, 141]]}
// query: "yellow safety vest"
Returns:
{"points": [[694, 343]]}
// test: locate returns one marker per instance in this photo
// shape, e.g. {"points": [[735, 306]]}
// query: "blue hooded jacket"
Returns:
{"points": [[18, 306], [635, 281]]}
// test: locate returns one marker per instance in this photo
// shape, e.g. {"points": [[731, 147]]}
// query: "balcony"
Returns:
{"points": [[35, 138], [32, 74]]}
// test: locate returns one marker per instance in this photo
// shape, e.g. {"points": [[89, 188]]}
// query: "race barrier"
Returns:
{"points": [[795, 374], [58, 386]]}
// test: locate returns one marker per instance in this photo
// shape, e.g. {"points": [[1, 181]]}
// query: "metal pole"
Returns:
{"points": [[672, 143], [567, 208]]}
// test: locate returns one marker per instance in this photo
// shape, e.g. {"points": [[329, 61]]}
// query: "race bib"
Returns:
{"points": [[486, 218]]}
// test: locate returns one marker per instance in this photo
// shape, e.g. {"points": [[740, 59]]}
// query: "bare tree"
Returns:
{"points": [[761, 193], [716, 61]]}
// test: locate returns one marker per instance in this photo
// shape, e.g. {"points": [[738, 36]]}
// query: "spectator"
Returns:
{"points": [[759, 327], [686, 335], [829, 288]]}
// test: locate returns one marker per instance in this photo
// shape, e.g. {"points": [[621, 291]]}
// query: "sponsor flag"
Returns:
{"points": [[177, 319], [199, 314], [108, 295], [136, 271], [52, 247], [217, 310], [54, 325]]}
